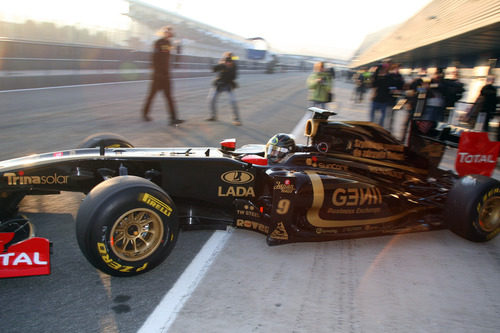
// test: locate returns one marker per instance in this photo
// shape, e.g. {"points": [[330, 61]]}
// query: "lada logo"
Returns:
{"points": [[237, 177]]}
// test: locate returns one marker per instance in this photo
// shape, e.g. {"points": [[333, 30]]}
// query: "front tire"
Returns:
{"points": [[126, 226], [473, 208], [106, 140]]}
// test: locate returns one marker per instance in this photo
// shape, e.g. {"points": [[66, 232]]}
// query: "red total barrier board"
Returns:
{"points": [[476, 154]]}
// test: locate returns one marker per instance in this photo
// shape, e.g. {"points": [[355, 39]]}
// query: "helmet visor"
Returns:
{"points": [[275, 153]]}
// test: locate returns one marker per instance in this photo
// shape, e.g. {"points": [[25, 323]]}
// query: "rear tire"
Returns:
{"points": [[473, 208], [126, 226], [107, 140]]}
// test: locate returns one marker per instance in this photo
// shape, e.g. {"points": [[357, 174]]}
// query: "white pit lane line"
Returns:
{"points": [[166, 312]]}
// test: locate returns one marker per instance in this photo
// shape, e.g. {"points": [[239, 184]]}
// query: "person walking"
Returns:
{"points": [[435, 98], [362, 82], [454, 90], [396, 89], [225, 82], [382, 96], [319, 84], [412, 92], [489, 100], [161, 76]]}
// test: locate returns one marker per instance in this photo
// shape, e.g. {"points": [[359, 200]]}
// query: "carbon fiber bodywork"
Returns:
{"points": [[352, 180]]}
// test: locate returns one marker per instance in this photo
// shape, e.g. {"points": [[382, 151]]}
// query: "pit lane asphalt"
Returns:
{"points": [[76, 297], [427, 282]]}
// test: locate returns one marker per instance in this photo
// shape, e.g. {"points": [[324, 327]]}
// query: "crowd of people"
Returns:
{"points": [[428, 96]]}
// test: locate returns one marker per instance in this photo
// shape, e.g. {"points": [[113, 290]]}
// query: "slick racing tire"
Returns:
{"points": [[126, 225], [106, 140], [473, 208]]}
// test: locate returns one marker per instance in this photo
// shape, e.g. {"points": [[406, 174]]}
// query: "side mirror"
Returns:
{"points": [[228, 145], [255, 159]]}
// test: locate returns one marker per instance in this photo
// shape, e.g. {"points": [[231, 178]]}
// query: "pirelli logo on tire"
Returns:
{"points": [[156, 203]]}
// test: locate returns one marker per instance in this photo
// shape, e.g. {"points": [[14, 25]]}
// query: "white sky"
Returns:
{"points": [[331, 28]]}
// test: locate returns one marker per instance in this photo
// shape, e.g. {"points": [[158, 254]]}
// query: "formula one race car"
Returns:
{"points": [[352, 179]]}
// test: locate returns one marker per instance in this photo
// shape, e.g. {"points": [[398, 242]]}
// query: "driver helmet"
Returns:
{"points": [[279, 146]]}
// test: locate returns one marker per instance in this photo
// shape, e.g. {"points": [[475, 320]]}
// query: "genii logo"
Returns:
{"points": [[237, 177]]}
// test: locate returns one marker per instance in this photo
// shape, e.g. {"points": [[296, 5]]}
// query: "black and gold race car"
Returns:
{"points": [[352, 179]]}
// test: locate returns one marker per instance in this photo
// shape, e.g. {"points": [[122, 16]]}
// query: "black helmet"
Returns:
{"points": [[279, 146]]}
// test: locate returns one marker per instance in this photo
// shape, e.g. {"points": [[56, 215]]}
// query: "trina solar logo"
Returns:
{"points": [[20, 179]]}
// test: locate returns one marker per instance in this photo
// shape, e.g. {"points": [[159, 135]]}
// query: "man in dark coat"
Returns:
{"points": [[161, 76], [489, 100], [382, 96]]}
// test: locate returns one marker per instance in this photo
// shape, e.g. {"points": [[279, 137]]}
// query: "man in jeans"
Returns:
{"points": [[225, 81], [382, 96]]}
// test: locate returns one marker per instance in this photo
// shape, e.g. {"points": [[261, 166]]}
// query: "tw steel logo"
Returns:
{"points": [[237, 177]]}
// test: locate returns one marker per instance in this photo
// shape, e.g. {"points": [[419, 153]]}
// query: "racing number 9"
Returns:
{"points": [[283, 206]]}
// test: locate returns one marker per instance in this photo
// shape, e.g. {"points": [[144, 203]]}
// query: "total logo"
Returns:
{"points": [[470, 158], [16, 259], [476, 154], [25, 258], [21, 179]]}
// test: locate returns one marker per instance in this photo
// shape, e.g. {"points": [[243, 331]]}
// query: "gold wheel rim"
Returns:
{"points": [[489, 216], [136, 234]]}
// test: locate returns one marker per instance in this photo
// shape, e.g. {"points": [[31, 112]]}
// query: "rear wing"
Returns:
{"points": [[319, 113], [318, 116]]}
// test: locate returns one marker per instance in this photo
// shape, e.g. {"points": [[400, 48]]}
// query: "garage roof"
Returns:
{"points": [[443, 29]]}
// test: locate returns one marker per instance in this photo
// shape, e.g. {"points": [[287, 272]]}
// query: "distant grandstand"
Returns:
{"points": [[200, 39], [192, 37], [23, 35]]}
